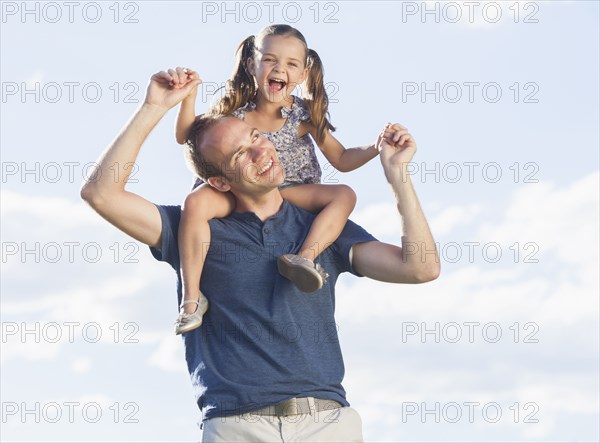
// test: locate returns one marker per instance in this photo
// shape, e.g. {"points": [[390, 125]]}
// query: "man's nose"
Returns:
{"points": [[260, 152]]}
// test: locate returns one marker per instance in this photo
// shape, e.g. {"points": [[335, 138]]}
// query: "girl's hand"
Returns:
{"points": [[180, 77], [397, 148]]}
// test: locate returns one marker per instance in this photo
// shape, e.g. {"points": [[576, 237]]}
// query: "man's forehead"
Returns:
{"points": [[229, 132]]}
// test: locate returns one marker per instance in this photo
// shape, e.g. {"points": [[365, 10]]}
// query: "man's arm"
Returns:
{"points": [[417, 260], [104, 192]]}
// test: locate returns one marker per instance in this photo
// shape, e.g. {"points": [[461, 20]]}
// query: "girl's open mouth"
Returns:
{"points": [[276, 85]]}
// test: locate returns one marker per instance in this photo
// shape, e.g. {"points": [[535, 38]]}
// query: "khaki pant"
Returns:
{"points": [[337, 425]]}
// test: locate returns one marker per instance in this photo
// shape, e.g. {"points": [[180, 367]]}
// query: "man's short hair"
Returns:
{"points": [[202, 167]]}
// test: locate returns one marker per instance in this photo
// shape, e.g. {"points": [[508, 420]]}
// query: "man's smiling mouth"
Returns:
{"points": [[265, 167]]}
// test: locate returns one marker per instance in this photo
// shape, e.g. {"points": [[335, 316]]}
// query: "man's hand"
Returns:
{"points": [[397, 148], [168, 88]]}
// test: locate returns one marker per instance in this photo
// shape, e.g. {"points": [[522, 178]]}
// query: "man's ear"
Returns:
{"points": [[219, 183]]}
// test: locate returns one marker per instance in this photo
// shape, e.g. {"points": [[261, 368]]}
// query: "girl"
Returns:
{"points": [[269, 67]]}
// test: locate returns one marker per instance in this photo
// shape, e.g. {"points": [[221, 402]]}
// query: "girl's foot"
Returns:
{"points": [[189, 321], [305, 274]]}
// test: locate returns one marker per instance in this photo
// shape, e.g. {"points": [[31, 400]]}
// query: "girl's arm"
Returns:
{"points": [[342, 159], [187, 111]]}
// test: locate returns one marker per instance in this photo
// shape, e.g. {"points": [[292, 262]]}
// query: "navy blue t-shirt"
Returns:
{"points": [[262, 340]]}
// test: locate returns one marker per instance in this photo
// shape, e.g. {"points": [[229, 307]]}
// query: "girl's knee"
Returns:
{"points": [[195, 202], [209, 203], [346, 193]]}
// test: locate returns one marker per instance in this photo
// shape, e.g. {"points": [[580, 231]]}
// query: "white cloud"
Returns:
{"points": [[31, 349], [81, 365], [452, 217], [380, 219], [563, 221], [91, 303], [53, 211], [408, 394], [101, 399], [36, 78], [170, 355], [76, 299], [554, 302]]}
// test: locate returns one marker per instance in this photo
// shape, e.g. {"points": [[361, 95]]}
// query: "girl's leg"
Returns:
{"points": [[201, 205], [335, 203]]}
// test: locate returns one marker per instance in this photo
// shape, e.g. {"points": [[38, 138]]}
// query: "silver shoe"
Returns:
{"points": [[189, 322], [304, 273]]}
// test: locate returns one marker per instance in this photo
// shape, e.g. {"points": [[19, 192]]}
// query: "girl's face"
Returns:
{"points": [[278, 67]]}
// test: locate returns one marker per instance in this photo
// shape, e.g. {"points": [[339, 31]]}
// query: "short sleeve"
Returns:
{"points": [[351, 235], [168, 250], [299, 110], [241, 112]]}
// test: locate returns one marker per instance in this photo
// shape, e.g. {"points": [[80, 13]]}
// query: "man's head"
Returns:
{"points": [[229, 154]]}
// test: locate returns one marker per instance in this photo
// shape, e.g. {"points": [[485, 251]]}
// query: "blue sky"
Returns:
{"points": [[505, 111]]}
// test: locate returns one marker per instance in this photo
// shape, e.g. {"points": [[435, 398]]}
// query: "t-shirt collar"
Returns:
{"points": [[250, 217]]}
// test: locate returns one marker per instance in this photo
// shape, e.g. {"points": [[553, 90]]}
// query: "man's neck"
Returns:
{"points": [[264, 206]]}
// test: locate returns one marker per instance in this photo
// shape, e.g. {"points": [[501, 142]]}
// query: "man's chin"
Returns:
{"points": [[276, 176], [260, 186], [273, 184]]}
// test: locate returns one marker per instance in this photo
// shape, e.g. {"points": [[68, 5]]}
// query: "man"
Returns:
{"points": [[266, 363]]}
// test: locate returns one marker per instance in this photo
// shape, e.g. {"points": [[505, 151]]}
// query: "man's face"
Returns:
{"points": [[248, 160]]}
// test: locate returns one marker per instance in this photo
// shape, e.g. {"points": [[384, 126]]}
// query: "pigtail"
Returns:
{"points": [[240, 88], [316, 98]]}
